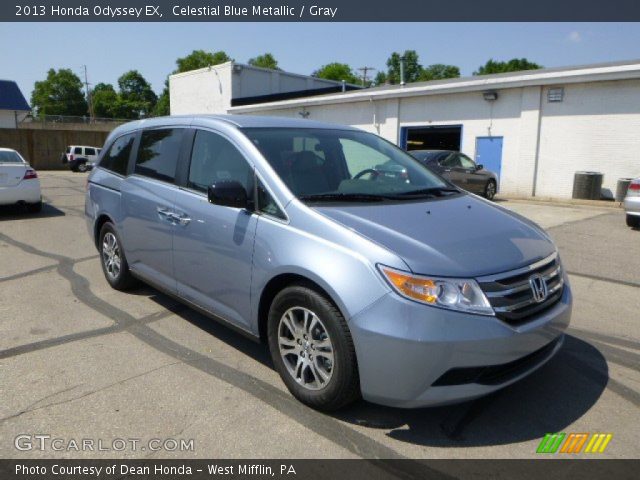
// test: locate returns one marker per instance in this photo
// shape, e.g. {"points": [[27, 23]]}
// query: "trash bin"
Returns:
{"points": [[621, 188], [587, 185]]}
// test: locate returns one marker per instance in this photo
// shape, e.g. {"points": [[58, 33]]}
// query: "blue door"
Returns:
{"points": [[489, 153]]}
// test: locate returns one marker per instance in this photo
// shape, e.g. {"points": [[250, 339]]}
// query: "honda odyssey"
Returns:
{"points": [[367, 274]]}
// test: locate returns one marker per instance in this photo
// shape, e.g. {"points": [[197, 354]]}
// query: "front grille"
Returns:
{"points": [[511, 296]]}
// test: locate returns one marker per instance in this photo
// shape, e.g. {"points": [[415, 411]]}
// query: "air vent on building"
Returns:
{"points": [[555, 94]]}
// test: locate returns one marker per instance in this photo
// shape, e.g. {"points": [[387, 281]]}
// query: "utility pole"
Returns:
{"points": [[89, 100], [402, 59], [364, 71]]}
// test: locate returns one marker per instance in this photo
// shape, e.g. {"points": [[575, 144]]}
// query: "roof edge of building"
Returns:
{"points": [[564, 75]]}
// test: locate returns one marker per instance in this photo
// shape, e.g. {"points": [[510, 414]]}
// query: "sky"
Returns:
{"points": [[110, 49]]}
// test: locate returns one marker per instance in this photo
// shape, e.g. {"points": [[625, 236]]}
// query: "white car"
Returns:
{"points": [[19, 182], [80, 157], [632, 204]]}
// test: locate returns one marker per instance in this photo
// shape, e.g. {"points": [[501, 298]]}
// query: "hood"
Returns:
{"points": [[464, 236]]}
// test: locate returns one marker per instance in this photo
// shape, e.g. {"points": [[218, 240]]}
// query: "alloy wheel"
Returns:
{"points": [[111, 255], [305, 348]]}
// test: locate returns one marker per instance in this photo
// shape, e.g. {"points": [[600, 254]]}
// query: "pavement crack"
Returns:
{"points": [[32, 407]]}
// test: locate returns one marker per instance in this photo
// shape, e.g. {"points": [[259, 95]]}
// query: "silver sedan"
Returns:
{"points": [[632, 204]]}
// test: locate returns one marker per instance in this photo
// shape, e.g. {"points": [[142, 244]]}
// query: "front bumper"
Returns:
{"points": [[27, 191], [404, 348], [632, 205]]}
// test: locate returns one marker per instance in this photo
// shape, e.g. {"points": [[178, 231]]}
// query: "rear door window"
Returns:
{"points": [[117, 157], [77, 151], [89, 151], [158, 153]]}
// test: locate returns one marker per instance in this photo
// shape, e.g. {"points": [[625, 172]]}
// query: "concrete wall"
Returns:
{"points": [[201, 91], [42, 148], [7, 119], [596, 127]]}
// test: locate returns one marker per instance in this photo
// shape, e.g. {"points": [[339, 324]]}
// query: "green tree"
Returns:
{"points": [[162, 105], [336, 71], [439, 71], [104, 98], [264, 61], [201, 59], [412, 67], [513, 65], [380, 78], [136, 99], [60, 94]]}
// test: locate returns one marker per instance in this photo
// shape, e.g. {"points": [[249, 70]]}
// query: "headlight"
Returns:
{"points": [[453, 293]]}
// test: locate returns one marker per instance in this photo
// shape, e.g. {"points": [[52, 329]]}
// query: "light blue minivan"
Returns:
{"points": [[367, 274]]}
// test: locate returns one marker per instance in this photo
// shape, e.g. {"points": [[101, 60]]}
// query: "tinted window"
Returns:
{"points": [[215, 159], [89, 151], [451, 161], [266, 203], [117, 157], [158, 153], [466, 162], [77, 150], [7, 156]]}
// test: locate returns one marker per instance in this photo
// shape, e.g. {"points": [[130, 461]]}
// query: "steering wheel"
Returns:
{"points": [[374, 173]]}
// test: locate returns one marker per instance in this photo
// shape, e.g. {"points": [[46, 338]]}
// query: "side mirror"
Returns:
{"points": [[479, 167], [228, 193]]}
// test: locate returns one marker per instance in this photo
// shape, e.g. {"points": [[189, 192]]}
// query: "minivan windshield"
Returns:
{"points": [[344, 165]]}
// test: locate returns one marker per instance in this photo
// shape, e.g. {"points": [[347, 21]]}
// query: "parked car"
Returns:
{"points": [[460, 170], [404, 290], [81, 158], [632, 204], [19, 183]]}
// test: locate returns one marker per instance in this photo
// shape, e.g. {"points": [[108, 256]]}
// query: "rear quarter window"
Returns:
{"points": [[116, 158]]}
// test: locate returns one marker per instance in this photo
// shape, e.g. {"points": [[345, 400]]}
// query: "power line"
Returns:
{"points": [[364, 71], [89, 99]]}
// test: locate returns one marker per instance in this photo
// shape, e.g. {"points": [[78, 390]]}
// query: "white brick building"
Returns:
{"points": [[537, 128]]}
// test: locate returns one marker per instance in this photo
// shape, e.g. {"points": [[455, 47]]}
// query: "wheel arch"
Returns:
{"points": [[278, 283], [100, 221]]}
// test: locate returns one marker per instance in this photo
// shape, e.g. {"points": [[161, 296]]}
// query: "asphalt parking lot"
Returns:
{"points": [[79, 360]]}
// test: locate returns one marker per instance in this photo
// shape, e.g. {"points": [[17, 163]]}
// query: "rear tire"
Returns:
{"points": [[490, 190], [312, 349], [113, 260], [82, 167], [34, 207], [633, 221]]}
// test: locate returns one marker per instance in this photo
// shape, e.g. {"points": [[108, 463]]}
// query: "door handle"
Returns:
{"points": [[181, 219], [164, 213]]}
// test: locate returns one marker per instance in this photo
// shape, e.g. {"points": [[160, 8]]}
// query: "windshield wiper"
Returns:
{"points": [[353, 197], [433, 192]]}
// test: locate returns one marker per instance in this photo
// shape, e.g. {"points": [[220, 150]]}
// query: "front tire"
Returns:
{"points": [[633, 221], [490, 190], [113, 260], [312, 349]]}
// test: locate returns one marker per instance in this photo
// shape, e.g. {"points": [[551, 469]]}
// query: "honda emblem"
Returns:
{"points": [[538, 287]]}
